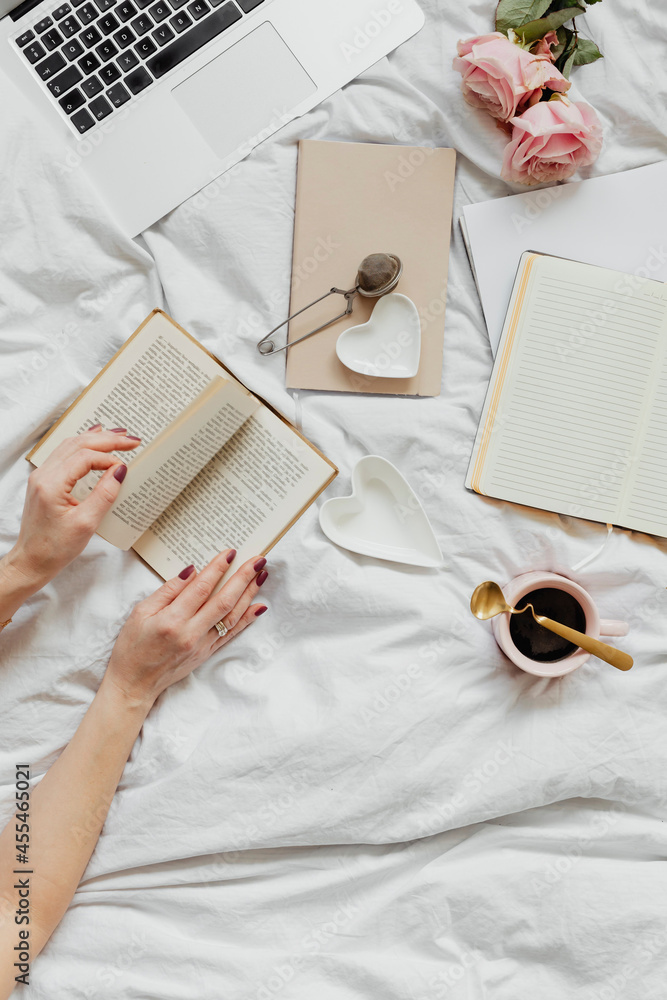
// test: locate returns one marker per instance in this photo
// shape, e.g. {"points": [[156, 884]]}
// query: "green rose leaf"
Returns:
{"points": [[586, 52], [533, 30], [512, 13], [567, 65]]}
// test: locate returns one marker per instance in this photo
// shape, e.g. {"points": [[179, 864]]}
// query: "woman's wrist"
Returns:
{"points": [[18, 582], [135, 704]]}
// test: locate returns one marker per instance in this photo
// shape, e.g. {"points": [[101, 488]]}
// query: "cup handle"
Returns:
{"points": [[611, 627]]}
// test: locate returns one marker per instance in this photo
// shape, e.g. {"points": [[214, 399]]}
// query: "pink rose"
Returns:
{"points": [[550, 141], [544, 46], [501, 77]]}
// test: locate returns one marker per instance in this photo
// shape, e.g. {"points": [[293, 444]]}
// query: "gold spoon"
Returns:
{"points": [[488, 601]]}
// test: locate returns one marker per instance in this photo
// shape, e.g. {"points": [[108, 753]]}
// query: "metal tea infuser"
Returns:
{"points": [[378, 274]]}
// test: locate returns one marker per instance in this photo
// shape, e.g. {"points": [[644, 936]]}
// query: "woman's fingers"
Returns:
{"points": [[168, 592], [223, 603], [250, 616], [204, 584], [100, 500], [231, 618], [99, 440], [78, 465]]}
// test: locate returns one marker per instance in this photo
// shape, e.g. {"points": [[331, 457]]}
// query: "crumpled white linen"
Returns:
{"points": [[360, 797]]}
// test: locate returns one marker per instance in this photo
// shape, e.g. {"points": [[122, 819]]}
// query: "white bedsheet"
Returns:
{"points": [[360, 798]]}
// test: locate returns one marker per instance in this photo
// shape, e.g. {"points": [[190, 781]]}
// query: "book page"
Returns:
{"points": [[174, 458], [245, 498], [145, 386], [567, 407]]}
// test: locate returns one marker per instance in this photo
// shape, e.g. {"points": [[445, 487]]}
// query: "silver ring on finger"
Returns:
{"points": [[222, 628]]}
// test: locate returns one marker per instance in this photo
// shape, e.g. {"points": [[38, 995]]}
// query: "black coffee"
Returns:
{"points": [[537, 642]]}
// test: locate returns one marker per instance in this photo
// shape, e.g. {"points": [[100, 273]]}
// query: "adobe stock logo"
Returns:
{"points": [[374, 27]]}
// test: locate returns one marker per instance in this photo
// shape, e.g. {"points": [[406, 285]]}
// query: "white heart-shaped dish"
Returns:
{"points": [[388, 345], [382, 517]]}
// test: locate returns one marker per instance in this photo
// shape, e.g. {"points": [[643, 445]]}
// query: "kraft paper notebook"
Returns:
{"points": [[354, 199], [217, 466], [575, 418]]}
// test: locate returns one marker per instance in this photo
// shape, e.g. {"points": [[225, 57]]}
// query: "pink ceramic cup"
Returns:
{"points": [[522, 585]]}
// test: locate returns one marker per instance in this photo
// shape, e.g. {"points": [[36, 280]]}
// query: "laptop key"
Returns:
{"points": [[124, 37], [100, 107], [52, 64], [23, 39], [141, 3], [106, 51], [145, 48], [107, 24], [89, 63], [127, 60], [200, 34], [118, 95], [142, 24], [163, 34], [248, 5], [125, 11], [82, 121], [69, 26], [51, 40], [198, 9], [62, 11], [180, 22], [138, 80], [64, 82], [160, 10], [72, 102], [90, 37], [105, 4], [34, 52], [110, 73], [88, 13], [42, 25], [177, 4], [91, 86], [72, 49]]}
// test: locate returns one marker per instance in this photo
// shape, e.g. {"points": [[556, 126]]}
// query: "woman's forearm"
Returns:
{"points": [[67, 811], [17, 584]]}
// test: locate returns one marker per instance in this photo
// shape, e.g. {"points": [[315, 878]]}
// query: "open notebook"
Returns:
{"points": [[575, 418]]}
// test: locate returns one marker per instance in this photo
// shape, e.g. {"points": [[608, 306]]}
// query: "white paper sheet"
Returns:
{"points": [[618, 221]]}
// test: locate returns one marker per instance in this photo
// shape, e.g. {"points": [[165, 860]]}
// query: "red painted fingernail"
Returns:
{"points": [[120, 473], [231, 556], [262, 578], [260, 564], [131, 437], [118, 430], [260, 611], [95, 427], [185, 573]]}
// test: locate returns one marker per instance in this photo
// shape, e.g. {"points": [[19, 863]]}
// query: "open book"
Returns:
{"points": [[575, 418], [216, 467]]}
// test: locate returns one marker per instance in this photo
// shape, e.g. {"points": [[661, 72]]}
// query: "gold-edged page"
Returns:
{"points": [[174, 458], [254, 489], [147, 384], [566, 413]]}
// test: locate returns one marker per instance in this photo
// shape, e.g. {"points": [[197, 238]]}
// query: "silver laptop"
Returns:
{"points": [[155, 98]]}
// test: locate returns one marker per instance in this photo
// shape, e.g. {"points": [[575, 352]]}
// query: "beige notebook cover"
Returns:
{"points": [[354, 199]]}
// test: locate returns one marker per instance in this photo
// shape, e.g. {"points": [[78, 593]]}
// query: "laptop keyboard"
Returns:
{"points": [[95, 56]]}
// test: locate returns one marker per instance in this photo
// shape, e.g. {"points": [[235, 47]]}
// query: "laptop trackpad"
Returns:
{"points": [[240, 97]]}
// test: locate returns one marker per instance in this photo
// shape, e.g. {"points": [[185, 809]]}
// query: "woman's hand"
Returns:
{"points": [[55, 528], [173, 631]]}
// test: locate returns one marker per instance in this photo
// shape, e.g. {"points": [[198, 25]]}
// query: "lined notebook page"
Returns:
{"points": [[566, 424]]}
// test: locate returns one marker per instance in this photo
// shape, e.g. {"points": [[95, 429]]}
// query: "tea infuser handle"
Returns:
{"points": [[616, 657], [266, 345]]}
